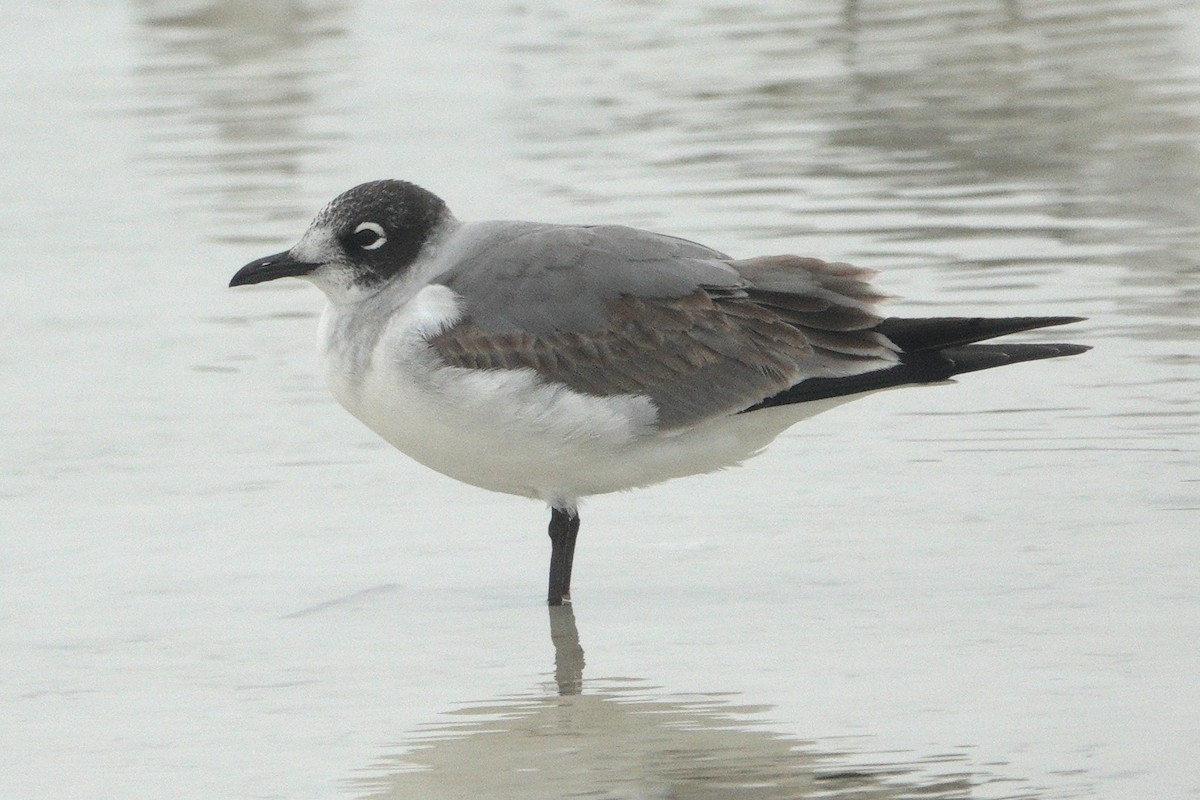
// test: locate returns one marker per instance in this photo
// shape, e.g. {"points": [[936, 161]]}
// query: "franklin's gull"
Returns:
{"points": [[561, 361]]}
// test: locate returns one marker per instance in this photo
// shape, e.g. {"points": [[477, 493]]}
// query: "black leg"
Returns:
{"points": [[572, 534], [564, 527]]}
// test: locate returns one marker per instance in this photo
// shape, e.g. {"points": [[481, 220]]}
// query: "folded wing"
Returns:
{"points": [[643, 314]]}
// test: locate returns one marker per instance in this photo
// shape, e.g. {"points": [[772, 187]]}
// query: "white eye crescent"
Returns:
{"points": [[369, 236]]}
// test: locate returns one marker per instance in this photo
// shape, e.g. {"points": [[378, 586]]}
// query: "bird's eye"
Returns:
{"points": [[369, 236]]}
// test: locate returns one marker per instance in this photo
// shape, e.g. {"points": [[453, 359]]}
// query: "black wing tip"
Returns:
{"points": [[975, 357], [1051, 349], [921, 367], [1050, 322], [925, 334]]}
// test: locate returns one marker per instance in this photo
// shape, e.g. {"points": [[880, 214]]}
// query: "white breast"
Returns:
{"points": [[507, 430], [503, 430]]}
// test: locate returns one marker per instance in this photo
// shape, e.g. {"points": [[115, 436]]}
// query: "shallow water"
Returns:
{"points": [[216, 584]]}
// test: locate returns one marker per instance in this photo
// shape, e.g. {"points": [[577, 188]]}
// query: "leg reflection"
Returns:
{"points": [[568, 653]]}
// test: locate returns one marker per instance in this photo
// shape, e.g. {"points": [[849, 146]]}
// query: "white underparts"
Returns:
{"points": [[509, 430]]}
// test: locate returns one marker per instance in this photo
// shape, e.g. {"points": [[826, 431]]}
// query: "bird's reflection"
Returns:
{"points": [[624, 738]]}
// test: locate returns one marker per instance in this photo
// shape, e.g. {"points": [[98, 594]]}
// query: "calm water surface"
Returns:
{"points": [[217, 584]]}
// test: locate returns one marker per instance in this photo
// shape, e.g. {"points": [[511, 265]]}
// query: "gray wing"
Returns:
{"points": [[540, 278], [637, 313]]}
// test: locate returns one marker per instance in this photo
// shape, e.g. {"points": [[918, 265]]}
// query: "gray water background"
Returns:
{"points": [[215, 584]]}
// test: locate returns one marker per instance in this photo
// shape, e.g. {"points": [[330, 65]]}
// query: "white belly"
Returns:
{"points": [[507, 431]]}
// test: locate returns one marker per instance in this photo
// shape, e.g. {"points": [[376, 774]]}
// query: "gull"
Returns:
{"points": [[556, 362]]}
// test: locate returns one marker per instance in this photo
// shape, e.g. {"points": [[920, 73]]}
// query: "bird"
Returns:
{"points": [[557, 361]]}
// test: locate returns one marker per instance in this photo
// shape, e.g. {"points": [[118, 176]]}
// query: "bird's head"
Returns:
{"points": [[365, 237]]}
